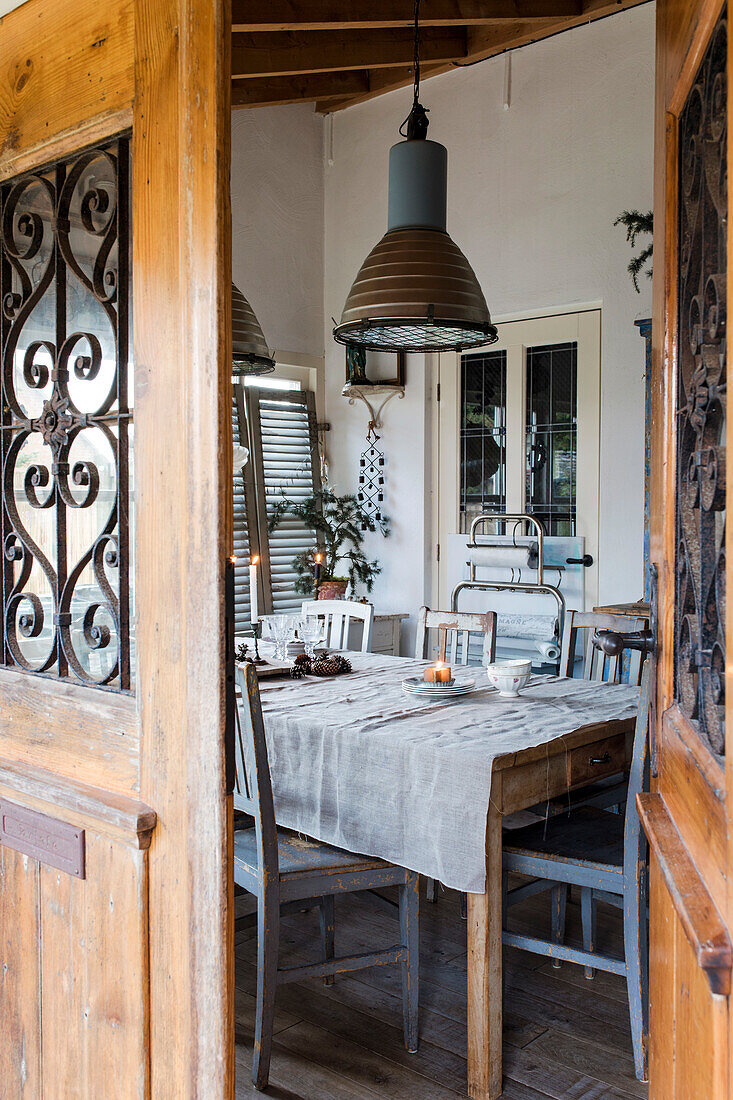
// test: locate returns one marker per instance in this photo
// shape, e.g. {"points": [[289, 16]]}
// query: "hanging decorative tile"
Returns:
{"points": [[371, 477]]}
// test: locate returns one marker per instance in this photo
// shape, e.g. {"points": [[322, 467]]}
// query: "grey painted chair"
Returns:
{"points": [[338, 615], [454, 630], [605, 855], [458, 627], [282, 870], [578, 631], [580, 626]]}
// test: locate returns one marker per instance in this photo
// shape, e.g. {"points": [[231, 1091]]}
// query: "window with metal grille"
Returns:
{"points": [[279, 429]]}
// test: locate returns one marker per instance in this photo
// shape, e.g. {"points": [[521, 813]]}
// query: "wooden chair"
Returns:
{"points": [[456, 629], [338, 616], [596, 665], [605, 855], [282, 870], [625, 669]]}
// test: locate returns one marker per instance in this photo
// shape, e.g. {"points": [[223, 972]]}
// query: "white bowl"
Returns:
{"points": [[509, 677]]}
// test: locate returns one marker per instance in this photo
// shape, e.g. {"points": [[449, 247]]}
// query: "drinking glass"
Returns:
{"points": [[281, 627], [310, 632]]}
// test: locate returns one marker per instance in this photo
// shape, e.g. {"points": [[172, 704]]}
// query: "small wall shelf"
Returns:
{"points": [[375, 397]]}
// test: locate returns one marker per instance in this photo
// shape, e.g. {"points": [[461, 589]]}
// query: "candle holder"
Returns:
{"points": [[256, 631]]}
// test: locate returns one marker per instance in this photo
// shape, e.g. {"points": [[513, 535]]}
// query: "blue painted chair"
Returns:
{"points": [[283, 870], [605, 855]]}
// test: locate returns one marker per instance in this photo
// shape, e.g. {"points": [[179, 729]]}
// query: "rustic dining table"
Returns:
{"points": [[424, 783]]}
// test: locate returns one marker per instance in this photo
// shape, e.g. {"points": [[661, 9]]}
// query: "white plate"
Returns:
{"points": [[415, 686]]}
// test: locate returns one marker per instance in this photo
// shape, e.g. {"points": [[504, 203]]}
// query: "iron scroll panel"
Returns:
{"points": [[66, 418], [701, 398]]}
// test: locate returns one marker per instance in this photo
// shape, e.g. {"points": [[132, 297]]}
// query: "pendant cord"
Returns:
{"points": [[416, 63], [415, 125]]}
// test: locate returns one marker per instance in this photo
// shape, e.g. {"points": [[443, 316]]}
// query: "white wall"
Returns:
{"points": [[533, 192], [277, 222]]}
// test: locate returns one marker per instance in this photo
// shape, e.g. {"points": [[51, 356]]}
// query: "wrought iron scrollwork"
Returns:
{"points": [[66, 418], [701, 416]]}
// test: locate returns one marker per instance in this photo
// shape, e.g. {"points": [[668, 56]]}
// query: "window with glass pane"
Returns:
{"points": [[551, 436], [483, 434]]}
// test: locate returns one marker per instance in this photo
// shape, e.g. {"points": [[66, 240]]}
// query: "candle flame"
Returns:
{"points": [[255, 560], [233, 559], [318, 558]]}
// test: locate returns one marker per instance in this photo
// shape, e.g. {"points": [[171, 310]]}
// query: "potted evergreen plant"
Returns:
{"points": [[339, 523]]}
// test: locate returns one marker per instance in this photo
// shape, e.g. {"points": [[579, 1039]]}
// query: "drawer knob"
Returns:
{"points": [[605, 759]]}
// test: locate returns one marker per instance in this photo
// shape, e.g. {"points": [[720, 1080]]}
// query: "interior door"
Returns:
{"points": [[115, 931], [543, 373], [687, 815]]}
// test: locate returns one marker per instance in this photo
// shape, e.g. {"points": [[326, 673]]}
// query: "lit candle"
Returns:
{"points": [[253, 609], [317, 568], [437, 673]]}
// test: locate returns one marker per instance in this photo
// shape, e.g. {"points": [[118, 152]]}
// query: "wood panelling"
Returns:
{"points": [[75, 731], [372, 41], [183, 470], [20, 1007], [694, 908], [132, 963], [66, 77], [689, 1023], [75, 953], [698, 807], [116, 816]]}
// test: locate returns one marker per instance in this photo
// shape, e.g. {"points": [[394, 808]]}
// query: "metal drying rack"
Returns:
{"points": [[540, 585]]}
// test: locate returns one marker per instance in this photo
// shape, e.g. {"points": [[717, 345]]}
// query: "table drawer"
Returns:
{"points": [[589, 762]]}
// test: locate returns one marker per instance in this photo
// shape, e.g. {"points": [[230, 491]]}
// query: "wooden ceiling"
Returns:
{"points": [[335, 53]]}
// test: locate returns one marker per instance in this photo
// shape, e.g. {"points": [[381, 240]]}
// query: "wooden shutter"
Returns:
{"points": [[246, 535], [285, 460]]}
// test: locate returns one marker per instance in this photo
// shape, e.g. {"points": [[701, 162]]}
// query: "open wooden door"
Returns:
{"points": [[115, 937], [687, 817]]}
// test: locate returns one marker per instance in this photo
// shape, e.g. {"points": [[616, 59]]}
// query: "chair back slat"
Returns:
{"points": [[253, 785], [337, 616], [634, 841], [596, 664], [458, 627]]}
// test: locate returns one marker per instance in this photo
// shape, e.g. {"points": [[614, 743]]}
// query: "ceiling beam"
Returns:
{"points": [[272, 90], [319, 15], [485, 42], [291, 53], [387, 80]]}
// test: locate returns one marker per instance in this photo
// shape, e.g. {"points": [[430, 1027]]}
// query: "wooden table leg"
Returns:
{"points": [[485, 968]]}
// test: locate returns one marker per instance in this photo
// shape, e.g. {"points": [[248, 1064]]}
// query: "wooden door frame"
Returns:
{"points": [[71, 75], [695, 790]]}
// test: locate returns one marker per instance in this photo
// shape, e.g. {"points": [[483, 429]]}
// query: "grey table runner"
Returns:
{"points": [[358, 763]]}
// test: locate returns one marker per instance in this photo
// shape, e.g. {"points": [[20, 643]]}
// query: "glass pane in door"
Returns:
{"points": [[483, 435], [551, 436]]}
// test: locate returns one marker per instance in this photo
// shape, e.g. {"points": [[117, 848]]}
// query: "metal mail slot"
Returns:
{"points": [[53, 842]]}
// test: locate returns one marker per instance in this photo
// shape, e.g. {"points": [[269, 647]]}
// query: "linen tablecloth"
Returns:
{"points": [[360, 764]]}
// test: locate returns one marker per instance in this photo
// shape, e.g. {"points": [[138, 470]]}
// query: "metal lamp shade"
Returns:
{"points": [[416, 291], [250, 354]]}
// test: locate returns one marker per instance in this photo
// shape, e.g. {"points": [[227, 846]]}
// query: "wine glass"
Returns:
{"points": [[310, 631], [281, 628]]}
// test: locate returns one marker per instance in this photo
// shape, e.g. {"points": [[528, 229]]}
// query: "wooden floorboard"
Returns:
{"points": [[564, 1038]]}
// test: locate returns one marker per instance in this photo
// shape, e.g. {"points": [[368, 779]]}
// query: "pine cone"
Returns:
{"points": [[297, 672], [343, 663], [327, 666], [303, 661]]}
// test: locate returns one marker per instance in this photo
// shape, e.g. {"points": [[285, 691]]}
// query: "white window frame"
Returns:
{"points": [[515, 336]]}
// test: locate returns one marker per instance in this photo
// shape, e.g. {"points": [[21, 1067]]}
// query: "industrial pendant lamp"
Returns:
{"points": [[250, 354], [416, 291]]}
